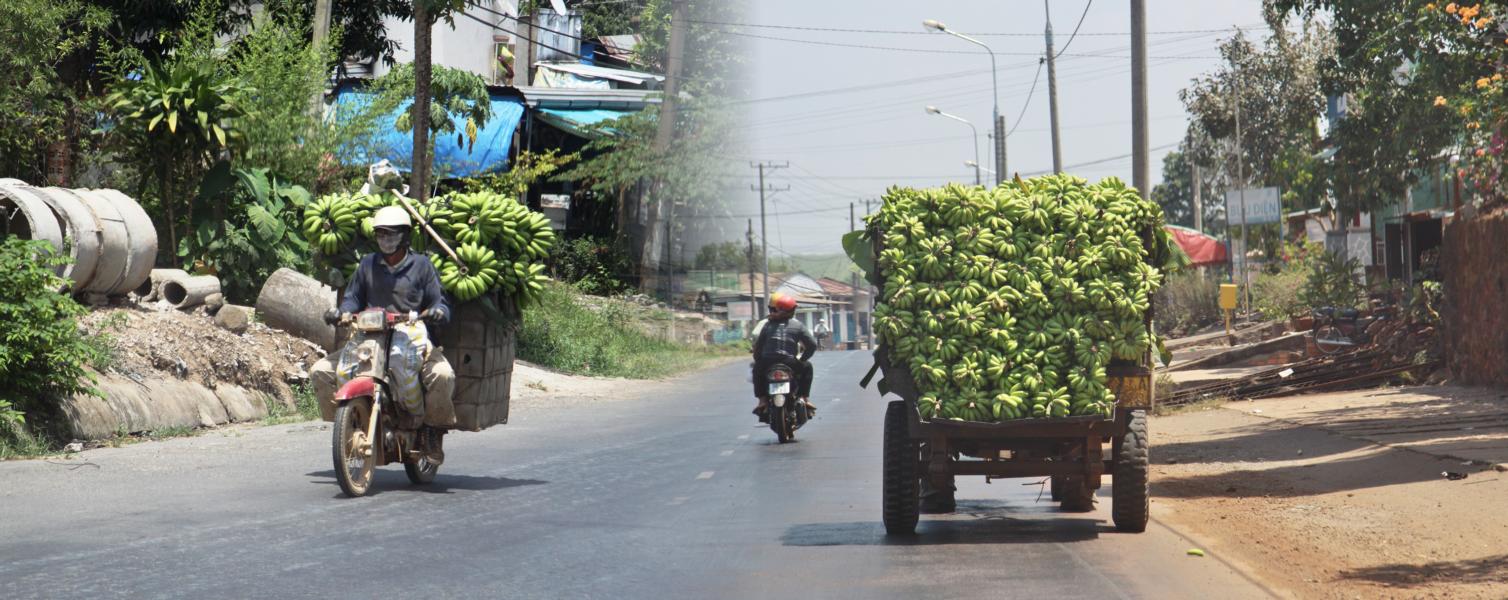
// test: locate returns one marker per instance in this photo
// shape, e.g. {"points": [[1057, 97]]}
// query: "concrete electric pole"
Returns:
{"points": [[764, 230], [1139, 153], [1052, 94]]}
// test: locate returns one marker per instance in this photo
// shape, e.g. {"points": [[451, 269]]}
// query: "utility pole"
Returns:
{"points": [[1241, 179], [420, 115], [1139, 158], [1000, 162], [1198, 203], [673, 60], [321, 33], [753, 297], [869, 291], [1052, 94], [764, 229], [853, 290]]}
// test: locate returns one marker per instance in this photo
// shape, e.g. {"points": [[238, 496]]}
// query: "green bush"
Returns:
{"points": [[43, 353], [1277, 293], [562, 334], [594, 265], [1187, 302], [1332, 280]]}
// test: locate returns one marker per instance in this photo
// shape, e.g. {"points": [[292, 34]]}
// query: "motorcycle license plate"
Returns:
{"points": [[783, 387]]}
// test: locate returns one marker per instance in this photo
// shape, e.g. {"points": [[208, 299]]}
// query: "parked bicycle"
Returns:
{"points": [[1338, 330]]}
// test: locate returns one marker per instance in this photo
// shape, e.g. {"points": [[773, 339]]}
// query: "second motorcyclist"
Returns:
{"points": [[783, 339]]}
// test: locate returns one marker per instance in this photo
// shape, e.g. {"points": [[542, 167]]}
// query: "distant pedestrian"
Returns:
{"points": [[822, 332]]}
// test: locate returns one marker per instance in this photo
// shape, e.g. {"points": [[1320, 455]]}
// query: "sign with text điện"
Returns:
{"points": [[1263, 205]]}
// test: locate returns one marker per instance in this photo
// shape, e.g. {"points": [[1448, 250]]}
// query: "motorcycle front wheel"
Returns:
{"points": [[353, 453]]}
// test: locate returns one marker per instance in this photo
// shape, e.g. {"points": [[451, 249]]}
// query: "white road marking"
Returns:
{"points": [[727, 453], [677, 501], [704, 475], [744, 436]]}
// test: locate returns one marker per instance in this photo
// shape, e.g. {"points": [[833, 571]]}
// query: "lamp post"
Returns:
{"points": [[974, 164], [932, 110], [1000, 166]]}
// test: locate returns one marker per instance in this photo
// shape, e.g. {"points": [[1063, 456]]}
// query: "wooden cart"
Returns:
{"points": [[1069, 450]]}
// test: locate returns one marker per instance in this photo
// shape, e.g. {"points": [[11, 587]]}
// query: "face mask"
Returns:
{"points": [[388, 242]]}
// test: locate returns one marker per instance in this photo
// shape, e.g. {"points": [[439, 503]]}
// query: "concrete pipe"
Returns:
{"points": [[27, 216], [190, 291], [86, 241], [151, 289], [141, 241], [296, 303]]}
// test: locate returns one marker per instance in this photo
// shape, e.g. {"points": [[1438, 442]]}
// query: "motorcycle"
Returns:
{"points": [[786, 414], [370, 430]]}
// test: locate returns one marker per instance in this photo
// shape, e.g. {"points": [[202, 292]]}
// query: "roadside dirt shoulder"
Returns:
{"points": [[1339, 496]]}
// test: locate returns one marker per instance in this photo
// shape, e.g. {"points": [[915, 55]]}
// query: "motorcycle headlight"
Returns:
{"points": [[364, 353]]}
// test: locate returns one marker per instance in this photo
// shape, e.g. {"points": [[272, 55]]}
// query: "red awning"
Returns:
{"points": [[1202, 249]]}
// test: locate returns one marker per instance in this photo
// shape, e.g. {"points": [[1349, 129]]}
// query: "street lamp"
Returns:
{"points": [[935, 25], [975, 165], [932, 110]]}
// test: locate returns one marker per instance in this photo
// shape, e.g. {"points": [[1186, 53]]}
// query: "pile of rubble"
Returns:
{"points": [[1403, 348]]}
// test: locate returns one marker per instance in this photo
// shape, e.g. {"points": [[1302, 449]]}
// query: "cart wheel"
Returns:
{"points": [[1129, 494], [901, 504], [1075, 493]]}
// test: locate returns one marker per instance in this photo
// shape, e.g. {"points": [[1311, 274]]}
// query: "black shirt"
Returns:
{"points": [[785, 338], [412, 285]]}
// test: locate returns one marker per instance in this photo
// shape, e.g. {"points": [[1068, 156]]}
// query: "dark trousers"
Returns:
{"points": [[802, 369]]}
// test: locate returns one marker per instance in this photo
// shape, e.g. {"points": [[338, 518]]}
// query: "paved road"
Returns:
{"points": [[664, 497]]}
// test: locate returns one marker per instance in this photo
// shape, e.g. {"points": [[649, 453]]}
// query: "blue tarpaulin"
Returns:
{"points": [[452, 159], [579, 121]]}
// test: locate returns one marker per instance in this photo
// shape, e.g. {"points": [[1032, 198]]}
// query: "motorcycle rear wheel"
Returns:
{"points": [[353, 469], [780, 422], [419, 470]]}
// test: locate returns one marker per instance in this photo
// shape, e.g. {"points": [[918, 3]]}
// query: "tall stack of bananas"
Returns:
{"points": [[501, 244], [1011, 303]]}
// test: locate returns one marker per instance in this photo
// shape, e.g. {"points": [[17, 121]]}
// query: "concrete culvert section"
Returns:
{"points": [[191, 291]]}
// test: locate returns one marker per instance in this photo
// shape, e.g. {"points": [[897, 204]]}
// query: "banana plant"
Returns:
{"points": [[253, 231], [175, 120]]}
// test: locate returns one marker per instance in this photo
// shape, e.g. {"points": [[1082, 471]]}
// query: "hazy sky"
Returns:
{"points": [[861, 125]]}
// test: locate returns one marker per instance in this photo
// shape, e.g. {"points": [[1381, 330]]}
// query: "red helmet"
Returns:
{"points": [[782, 303]]}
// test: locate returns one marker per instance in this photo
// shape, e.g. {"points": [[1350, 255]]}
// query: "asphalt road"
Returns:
{"points": [[672, 496]]}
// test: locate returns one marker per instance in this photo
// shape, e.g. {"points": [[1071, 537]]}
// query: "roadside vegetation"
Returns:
{"points": [[565, 334]]}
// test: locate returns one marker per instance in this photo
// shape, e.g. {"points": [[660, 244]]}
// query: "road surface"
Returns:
{"points": [[677, 496]]}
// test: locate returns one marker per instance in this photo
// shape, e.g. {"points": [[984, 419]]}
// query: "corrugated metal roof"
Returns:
{"points": [[620, 75], [620, 46], [543, 97]]}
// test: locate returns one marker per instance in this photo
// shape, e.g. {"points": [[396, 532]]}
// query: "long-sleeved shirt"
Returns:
{"points": [[412, 285], [787, 337]]}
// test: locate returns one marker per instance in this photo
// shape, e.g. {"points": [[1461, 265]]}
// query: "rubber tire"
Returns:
{"points": [[1331, 332], [1130, 496], [343, 429], [1056, 488], [1077, 497], [779, 422], [419, 471], [900, 504]]}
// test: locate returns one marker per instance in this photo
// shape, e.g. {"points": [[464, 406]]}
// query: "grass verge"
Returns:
{"points": [[305, 407], [560, 333]]}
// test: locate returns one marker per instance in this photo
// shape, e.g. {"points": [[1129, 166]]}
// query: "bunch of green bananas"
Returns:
{"points": [[500, 243], [1011, 302], [330, 223], [479, 275]]}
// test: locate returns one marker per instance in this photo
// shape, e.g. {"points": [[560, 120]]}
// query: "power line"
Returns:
{"points": [[931, 50], [495, 27], [1029, 95], [1076, 28], [909, 32]]}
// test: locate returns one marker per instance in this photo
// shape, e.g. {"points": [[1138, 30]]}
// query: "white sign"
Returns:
{"points": [[555, 201], [1263, 205]]}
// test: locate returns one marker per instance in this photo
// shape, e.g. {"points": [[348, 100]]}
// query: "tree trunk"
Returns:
{"points": [[422, 28], [167, 202]]}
